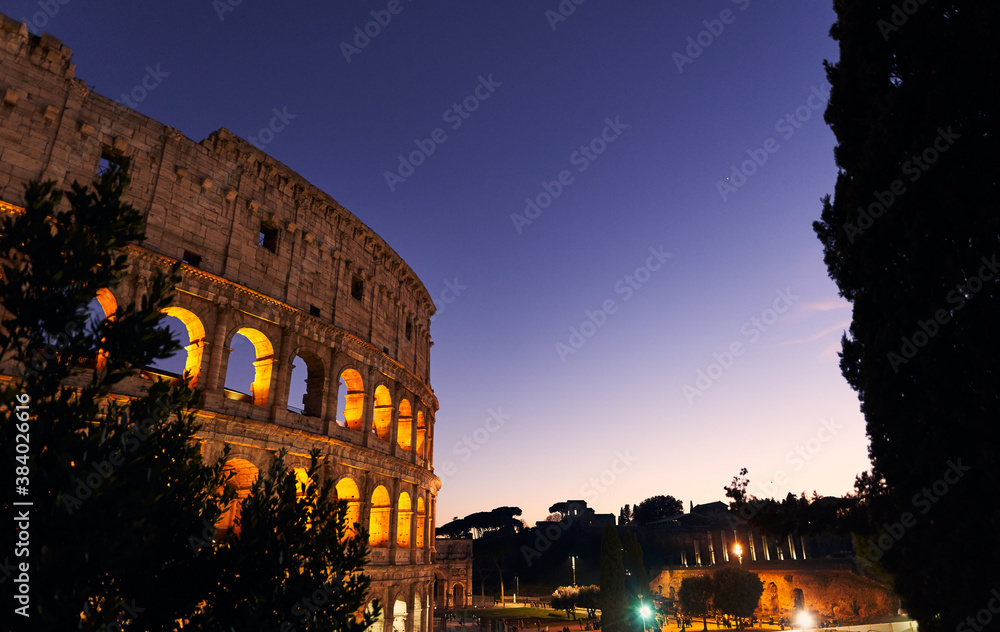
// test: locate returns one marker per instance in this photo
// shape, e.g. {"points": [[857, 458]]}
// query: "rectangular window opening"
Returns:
{"points": [[314, 311], [358, 288], [409, 329], [191, 259], [268, 237]]}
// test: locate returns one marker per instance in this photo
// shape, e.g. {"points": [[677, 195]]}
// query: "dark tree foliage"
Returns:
{"points": [[912, 238], [614, 597], [656, 508], [736, 592], [501, 520], [695, 595], [588, 597], [565, 598], [635, 570], [625, 516], [123, 508]]}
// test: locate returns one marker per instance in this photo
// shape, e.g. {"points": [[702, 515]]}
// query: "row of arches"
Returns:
{"points": [[247, 370], [379, 514]]}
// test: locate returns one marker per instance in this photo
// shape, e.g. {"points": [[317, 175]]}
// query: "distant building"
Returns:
{"points": [[577, 512]]}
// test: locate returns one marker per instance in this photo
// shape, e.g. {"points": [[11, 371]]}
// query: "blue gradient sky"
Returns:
{"points": [[610, 422]]}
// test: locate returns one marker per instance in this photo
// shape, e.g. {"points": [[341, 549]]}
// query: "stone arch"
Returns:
{"points": [[314, 378], [263, 364], [351, 399], [421, 521], [242, 474], [378, 522], [404, 426], [102, 307], [798, 599], [377, 624], [195, 348], [771, 598], [421, 434], [418, 611], [399, 613], [382, 412], [459, 595], [347, 490], [404, 510]]}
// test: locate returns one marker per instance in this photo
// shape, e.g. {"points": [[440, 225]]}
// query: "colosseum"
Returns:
{"points": [[274, 263]]}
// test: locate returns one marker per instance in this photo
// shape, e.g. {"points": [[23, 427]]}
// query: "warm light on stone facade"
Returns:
{"points": [[270, 257]]}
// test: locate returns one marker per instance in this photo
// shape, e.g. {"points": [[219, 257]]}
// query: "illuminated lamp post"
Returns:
{"points": [[644, 612], [738, 550]]}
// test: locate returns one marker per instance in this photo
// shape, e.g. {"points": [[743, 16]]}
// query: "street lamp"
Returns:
{"points": [[738, 550], [644, 612]]}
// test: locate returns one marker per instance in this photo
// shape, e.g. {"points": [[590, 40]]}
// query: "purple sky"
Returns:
{"points": [[625, 131]]}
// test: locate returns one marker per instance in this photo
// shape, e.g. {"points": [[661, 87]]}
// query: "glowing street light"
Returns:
{"points": [[738, 550], [644, 612]]}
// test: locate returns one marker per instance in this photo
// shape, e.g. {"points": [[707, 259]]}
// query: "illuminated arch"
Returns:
{"points": [[103, 306], [242, 475], [404, 427], [421, 522], [196, 337], [347, 490], [378, 523], [421, 434], [263, 364], [351, 400], [377, 624], [399, 612], [312, 394], [403, 512], [382, 417]]}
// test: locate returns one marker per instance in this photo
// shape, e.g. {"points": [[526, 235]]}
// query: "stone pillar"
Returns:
{"points": [[753, 549], [802, 543], [791, 546], [767, 551], [215, 380], [281, 375], [332, 393], [393, 517], [368, 410], [697, 552], [711, 549], [725, 547]]}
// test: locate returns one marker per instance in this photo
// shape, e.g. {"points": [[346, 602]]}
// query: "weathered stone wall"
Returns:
{"points": [[834, 592], [209, 204]]}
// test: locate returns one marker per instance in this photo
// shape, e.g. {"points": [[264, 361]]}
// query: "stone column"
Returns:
{"points": [[711, 549], [697, 552], [215, 380], [332, 394], [791, 546], [753, 549], [393, 517], [368, 410]]}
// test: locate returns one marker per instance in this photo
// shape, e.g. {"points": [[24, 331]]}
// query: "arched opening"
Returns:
{"points": [[459, 596], [302, 481], [252, 359], [404, 428], [378, 524], [440, 594], [242, 474], [347, 490], [188, 329], [382, 417], [421, 434], [421, 522], [305, 387], [404, 512], [377, 624], [101, 307], [350, 400], [418, 612], [399, 616], [798, 599]]}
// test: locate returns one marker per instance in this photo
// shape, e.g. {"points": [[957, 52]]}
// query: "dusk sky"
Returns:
{"points": [[610, 203]]}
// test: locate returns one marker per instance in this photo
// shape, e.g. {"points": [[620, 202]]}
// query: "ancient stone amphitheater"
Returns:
{"points": [[271, 258]]}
